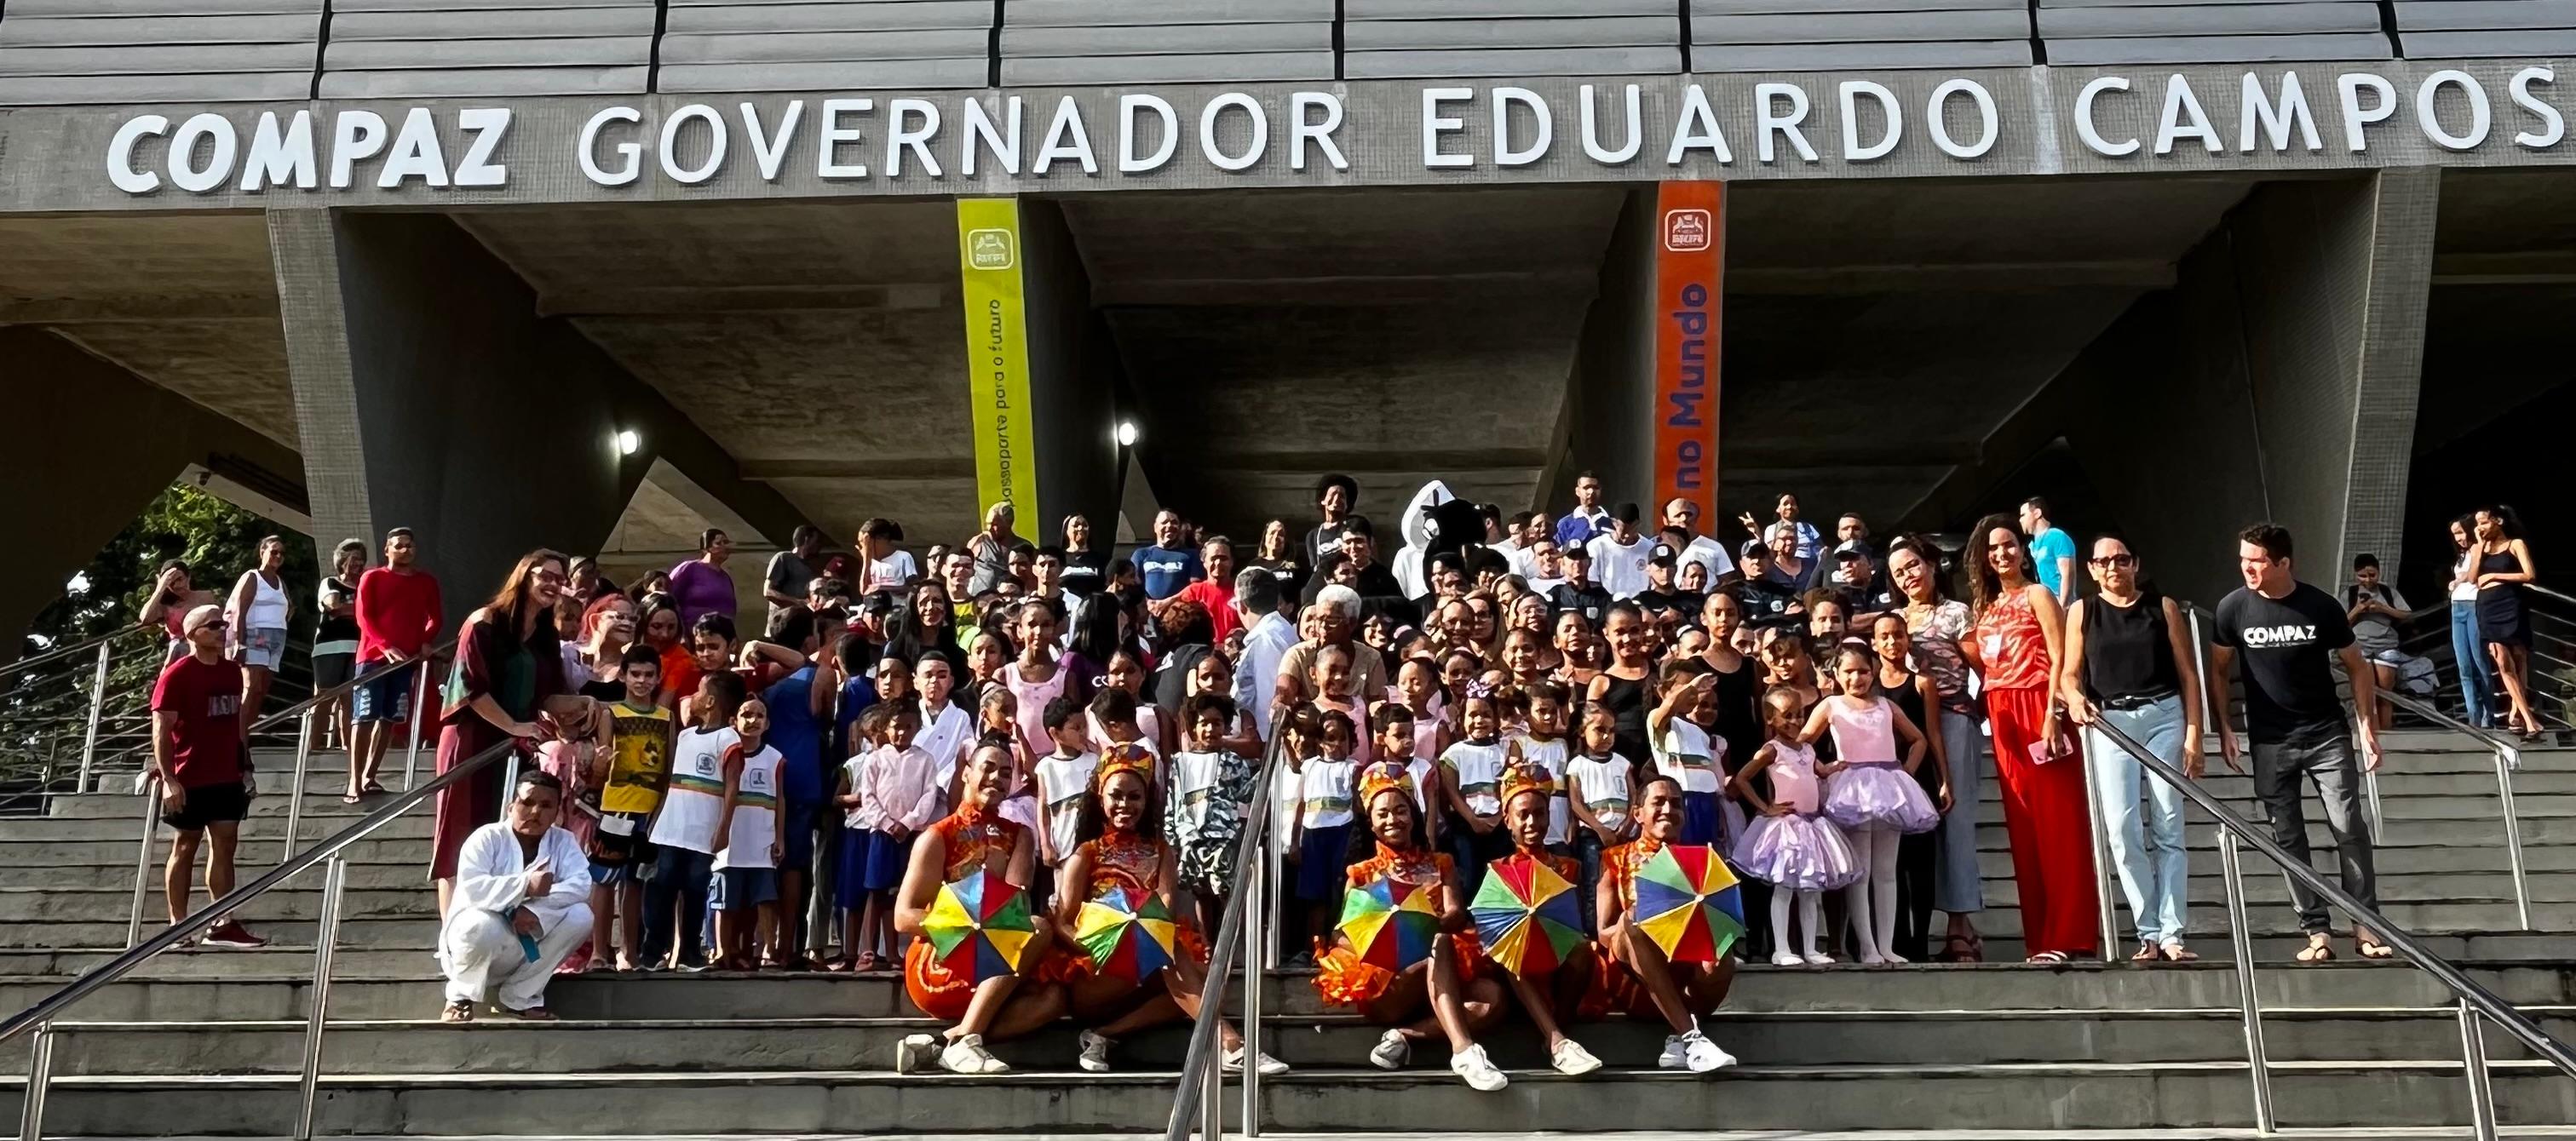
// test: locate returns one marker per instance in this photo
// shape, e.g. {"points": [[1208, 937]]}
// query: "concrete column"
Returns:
{"points": [[430, 394], [109, 443], [1073, 366], [1607, 426], [2334, 277]]}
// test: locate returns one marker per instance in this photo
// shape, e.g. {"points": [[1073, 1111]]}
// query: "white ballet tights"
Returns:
{"points": [[1811, 904], [1872, 901]]}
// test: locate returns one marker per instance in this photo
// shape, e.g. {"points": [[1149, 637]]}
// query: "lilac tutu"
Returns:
{"points": [[1796, 852], [1881, 793]]}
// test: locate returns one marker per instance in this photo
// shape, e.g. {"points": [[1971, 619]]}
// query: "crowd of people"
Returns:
{"points": [[1576, 690]]}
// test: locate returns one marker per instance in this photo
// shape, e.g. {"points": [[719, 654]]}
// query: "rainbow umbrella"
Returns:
{"points": [[1127, 934], [1529, 918], [1688, 903], [979, 927], [1389, 923]]}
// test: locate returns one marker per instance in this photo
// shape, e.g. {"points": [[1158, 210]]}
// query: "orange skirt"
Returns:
{"points": [[1343, 980], [934, 989], [1614, 990], [1067, 963]]}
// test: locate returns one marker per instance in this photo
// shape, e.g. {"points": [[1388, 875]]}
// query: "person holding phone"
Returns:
{"points": [[522, 904], [2016, 643]]}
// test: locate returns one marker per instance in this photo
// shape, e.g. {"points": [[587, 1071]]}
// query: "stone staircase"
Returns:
{"points": [[208, 1043]]}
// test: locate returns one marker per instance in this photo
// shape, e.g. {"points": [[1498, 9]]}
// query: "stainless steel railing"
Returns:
{"points": [[2507, 758], [2475, 1004], [302, 714], [1200, 1099], [39, 1019]]}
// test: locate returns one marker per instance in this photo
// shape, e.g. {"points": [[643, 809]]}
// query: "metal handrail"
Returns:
{"points": [[40, 1017], [1202, 1079], [2474, 1002], [2507, 758], [86, 645], [273, 720]]}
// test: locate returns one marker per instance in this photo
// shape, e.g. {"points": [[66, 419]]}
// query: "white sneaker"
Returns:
{"points": [[1787, 959], [967, 1055], [1268, 1066], [1095, 1053], [1698, 1054], [1819, 959], [1392, 1051], [1572, 1060], [1473, 1067], [916, 1053]]}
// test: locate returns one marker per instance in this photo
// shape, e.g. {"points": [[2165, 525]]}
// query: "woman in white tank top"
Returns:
{"points": [[259, 612]]}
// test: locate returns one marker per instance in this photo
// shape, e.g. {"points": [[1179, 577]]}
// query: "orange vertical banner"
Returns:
{"points": [[1690, 265]]}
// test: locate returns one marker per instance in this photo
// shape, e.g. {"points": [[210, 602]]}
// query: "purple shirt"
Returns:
{"points": [[701, 589]]}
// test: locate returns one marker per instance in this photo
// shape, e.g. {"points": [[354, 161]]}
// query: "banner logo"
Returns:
{"points": [[997, 353]]}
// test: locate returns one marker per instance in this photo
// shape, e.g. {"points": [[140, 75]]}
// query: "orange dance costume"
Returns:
{"points": [[1615, 989], [976, 840], [1340, 977], [1119, 859]]}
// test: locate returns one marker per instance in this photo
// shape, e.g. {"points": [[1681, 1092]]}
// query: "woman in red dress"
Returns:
{"points": [[2016, 643], [1121, 848], [1439, 997], [973, 839]]}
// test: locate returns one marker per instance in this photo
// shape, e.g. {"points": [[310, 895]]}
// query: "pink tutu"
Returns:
{"points": [[1879, 794], [1796, 852]]}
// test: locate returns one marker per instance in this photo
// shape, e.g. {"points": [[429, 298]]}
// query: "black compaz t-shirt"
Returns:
{"points": [[2287, 646]]}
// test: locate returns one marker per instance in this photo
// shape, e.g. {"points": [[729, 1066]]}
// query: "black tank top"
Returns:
{"points": [[2127, 653], [1738, 722], [1626, 700], [1909, 700]]}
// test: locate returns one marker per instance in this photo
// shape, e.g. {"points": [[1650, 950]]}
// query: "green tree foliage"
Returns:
{"points": [[218, 541]]}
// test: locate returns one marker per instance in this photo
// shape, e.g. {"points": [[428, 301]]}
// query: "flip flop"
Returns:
{"points": [[2317, 951], [2048, 959], [457, 1012], [2147, 953], [531, 1014], [2374, 949], [2176, 952], [371, 788], [348, 798]]}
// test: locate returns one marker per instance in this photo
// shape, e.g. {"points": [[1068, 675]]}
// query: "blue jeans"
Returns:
{"points": [[2147, 850], [675, 905], [2477, 685]]}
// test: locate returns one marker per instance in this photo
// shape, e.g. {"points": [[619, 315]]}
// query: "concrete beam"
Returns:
{"points": [[1569, 284], [1073, 376], [123, 309], [603, 297], [109, 442], [1611, 388], [1998, 277], [431, 394]]}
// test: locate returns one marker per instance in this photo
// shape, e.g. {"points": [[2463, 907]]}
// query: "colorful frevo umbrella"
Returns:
{"points": [[1127, 934], [1529, 918], [1688, 903], [1389, 923], [979, 927]]}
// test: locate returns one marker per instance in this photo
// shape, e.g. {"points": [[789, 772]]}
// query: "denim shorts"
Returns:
{"points": [[741, 889], [387, 697], [263, 647]]}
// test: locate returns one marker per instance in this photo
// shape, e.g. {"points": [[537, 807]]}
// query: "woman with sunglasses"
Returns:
{"points": [[2128, 667]]}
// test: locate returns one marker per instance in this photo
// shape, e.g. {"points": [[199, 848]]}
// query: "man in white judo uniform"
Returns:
{"points": [[522, 904]]}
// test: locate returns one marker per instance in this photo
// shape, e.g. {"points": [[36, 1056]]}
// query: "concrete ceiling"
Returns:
{"points": [[185, 300], [1877, 332], [1396, 336], [819, 343], [2504, 281]]}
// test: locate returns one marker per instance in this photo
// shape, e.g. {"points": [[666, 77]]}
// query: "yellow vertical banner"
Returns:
{"points": [[997, 356]]}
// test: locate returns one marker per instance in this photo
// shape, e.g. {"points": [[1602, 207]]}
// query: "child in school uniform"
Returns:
{"points": [[1471, 777], [1687, 752], [1541, 744], [1323, 829], [1399, 737], [1062, 778], [631, 774], [684, 830], [1209, 787], [1331, 677], [1596, 790], [744, 892]]}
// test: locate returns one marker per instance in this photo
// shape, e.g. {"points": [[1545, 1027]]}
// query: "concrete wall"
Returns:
{"points": [[1071, 372], [437, 398], [58, 502], [1609, 411]]}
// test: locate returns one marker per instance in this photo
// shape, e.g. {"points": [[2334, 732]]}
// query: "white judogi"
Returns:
{"points": [[480, 949]]}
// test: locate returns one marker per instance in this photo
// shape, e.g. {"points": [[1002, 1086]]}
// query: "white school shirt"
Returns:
{"points": [[941, 737], [1551, 755], [1479, 779], [1326, 791], [1061, 782], [1621, 570], [1605, 788], [1686, 753], [755, 813], [890, 573], [689, 809]]}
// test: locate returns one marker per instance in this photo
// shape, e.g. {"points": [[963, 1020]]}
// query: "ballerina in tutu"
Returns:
{"points": [[1788, 844], [1870, 795]]}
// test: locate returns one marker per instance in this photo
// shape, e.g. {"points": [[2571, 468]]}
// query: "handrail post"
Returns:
{"points": [[335, 879], [1212, 1101], [2097, 801], [2473, 1057], [419, 718], [2513, 837], [40, 1076], [97, 708], [509, 783], [2377, 823], [295, 789], [1256, 901], [143, 860], [2210, 715], [2250, 1005]]}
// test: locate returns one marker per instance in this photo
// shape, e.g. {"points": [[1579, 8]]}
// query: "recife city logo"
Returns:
{"points": [[1686, 393]]}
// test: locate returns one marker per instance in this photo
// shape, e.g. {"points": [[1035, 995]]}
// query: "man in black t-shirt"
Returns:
{"points": [[1336, 496], [1661, 596], [1578, 592], [1766, 600], [2288, 633]]}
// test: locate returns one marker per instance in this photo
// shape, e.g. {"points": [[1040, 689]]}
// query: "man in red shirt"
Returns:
{"points": [[398, 618], [200, 753], [1216, 591]]}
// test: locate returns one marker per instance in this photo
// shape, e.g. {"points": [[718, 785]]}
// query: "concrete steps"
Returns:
{"points": [[2036, 1096]]}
